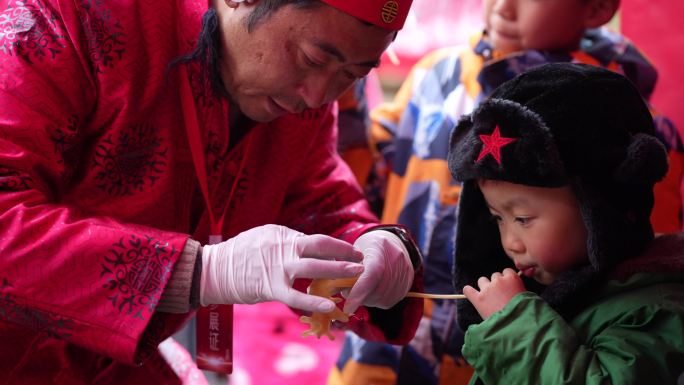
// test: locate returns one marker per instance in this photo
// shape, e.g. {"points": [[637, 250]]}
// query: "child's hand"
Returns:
{"points": [[494, 294]]}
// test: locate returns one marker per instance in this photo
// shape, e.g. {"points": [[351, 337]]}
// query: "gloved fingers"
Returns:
{"points": [[366, 284], [317, 268], [307, 302], [321, 246]]}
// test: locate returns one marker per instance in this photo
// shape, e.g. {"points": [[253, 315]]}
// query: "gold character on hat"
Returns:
{"points": [[389, 11]]}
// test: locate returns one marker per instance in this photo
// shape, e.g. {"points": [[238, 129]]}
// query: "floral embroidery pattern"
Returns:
{"points": [[65, 140], [103, 34], [311, 115], [201, 89], [29, 32], [135, 270], [51, 324], [11, 180], [130, 162]]}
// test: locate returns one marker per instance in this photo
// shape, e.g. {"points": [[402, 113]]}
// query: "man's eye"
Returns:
{"points": [[351, 76], [522, 220], [313, 63]]}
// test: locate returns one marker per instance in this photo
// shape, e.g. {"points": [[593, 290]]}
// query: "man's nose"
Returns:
{"points": [[505, 8], [315, 90]]}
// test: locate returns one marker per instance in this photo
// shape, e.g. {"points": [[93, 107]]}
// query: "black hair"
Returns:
{"points": [[265, 8]]}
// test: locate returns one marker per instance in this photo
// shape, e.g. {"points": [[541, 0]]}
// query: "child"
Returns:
{"points": [[557, 169], [412, 133]]}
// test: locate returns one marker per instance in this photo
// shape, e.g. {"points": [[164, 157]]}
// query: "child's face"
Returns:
{"points": [[541, 229], [515, 25]]}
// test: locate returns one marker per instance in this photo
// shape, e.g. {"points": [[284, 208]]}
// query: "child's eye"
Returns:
{"points": [[495, 218]]}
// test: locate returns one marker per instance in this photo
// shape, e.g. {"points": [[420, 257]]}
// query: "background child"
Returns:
{"points": [[557, 168], [411, 135]]}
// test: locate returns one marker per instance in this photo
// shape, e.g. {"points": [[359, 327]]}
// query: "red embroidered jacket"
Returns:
{"points": [[98, 193]]}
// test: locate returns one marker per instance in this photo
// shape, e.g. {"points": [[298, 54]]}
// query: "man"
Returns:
{"points": [[127, 144]]}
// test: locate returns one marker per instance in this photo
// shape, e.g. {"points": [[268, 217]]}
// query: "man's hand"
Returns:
{"points": [[494, 294], [388, 273], [260, 265]]}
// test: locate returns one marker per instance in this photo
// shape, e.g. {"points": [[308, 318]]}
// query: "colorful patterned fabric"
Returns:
{"points": [[98, 193], [352, 142], [411, 133]]}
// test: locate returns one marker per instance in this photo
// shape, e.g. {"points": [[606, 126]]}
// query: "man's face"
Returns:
{"points": [[295, 58], [515, 25]]}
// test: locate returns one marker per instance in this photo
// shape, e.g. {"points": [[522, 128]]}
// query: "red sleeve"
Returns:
{"points": [[58, 264], [325, 197], [396, 325]]}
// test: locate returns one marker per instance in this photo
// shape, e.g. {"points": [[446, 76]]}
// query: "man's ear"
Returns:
{"points": [[235, 3], [600, 12]]}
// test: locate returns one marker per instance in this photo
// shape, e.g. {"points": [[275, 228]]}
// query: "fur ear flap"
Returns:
{"points": [[478, 250], [645, 161]]}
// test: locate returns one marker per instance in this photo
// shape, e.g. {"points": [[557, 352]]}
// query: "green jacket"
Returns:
{"points": [[633, 333]]}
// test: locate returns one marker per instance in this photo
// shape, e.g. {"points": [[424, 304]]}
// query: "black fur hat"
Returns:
{"points": [[558, 125]]}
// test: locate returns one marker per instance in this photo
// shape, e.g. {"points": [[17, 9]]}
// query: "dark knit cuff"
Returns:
{"points": [[180, 295]]}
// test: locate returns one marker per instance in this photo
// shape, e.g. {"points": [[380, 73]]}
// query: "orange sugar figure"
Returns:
{"points": [[326, 288], [320, 322]]}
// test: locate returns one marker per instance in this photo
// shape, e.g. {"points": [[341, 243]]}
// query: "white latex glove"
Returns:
{"points": [[260, 265], [388, 273]]}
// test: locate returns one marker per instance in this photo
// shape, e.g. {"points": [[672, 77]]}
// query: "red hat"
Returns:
{"points": [[389, 14]]}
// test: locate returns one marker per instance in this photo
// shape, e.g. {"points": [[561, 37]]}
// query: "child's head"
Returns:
{"points": [[549, 25], [541, 228], [565, 159]]}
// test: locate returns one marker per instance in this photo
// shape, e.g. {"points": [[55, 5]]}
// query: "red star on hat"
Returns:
{"points": [[491, 144]]}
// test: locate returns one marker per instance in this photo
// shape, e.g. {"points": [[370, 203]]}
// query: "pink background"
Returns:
{"points": [[656, 27]]}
